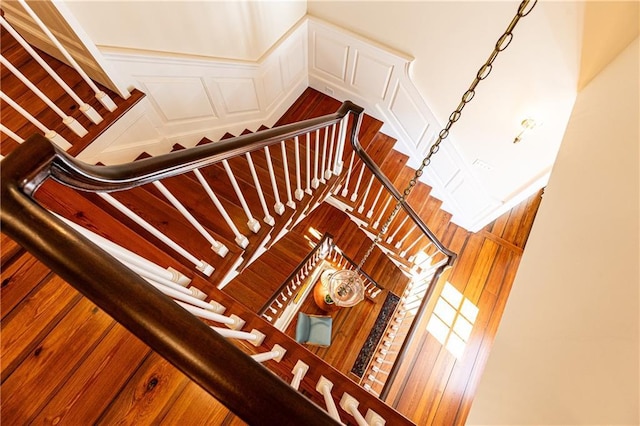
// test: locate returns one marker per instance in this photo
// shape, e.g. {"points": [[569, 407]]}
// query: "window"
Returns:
{"points": [[452, 320]]}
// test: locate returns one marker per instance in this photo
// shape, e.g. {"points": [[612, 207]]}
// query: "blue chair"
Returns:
{"points": [[314, 329]]}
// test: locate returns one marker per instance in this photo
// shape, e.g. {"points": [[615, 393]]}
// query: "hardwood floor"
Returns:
{"points": [[63, 360]]}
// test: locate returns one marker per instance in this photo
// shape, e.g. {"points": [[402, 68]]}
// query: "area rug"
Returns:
{"points": [[370, 345]]}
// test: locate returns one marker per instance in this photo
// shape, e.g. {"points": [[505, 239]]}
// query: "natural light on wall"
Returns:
{"points": [[452, 320]]}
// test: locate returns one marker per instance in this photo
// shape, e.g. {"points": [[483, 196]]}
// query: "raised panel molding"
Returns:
{"points": [[330, 56], [330, 59], [238, 95], [370, 74], [193, 103]]}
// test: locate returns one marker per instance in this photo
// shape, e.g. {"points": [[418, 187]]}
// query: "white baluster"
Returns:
{"points": [[240, 239], [287, 181], [299, 371], [345, 191], [49, 134], [366, 195], [122, 254], [395, 233], [9, 133], [404, 237], [200, 265], [68, 121], [350, 405], [403, 253], [324, 155], [84, 107], [386, 204], [354, 196], [216, 246], [332, 141], [252, 223], [268, 219], [375, 201], [278, 207], [338, 163], [254, 337], [299, 192], [102, 97], [316, 182], [308, 164], [232, 321], [274, 354], [324, 386]]}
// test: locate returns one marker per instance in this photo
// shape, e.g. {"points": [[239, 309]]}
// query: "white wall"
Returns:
{"points": [[536, 76], [567, 349], [242, 30]]}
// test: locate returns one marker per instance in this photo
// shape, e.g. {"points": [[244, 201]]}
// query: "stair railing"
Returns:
{"points": [[231, 376], [245, 387]]}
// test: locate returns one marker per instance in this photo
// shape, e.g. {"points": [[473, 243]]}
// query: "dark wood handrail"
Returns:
{"points": [[185, 341], [83, 176], [373, 167], [206, 357]]}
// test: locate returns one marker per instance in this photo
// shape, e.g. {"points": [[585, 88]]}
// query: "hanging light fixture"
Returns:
{"points": [[346, 284]]}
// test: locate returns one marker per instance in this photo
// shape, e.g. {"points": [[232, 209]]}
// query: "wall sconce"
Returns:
{"points": [[527, 124]]}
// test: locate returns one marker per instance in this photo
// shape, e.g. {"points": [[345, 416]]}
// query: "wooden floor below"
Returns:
{"points": [[72, 363]]}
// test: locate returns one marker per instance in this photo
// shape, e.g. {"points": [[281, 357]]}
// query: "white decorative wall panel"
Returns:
{"points": [[178, 98], [272, 83], [370, 75], [407, 114], [293, 62], [330, 56], [238, 95]]}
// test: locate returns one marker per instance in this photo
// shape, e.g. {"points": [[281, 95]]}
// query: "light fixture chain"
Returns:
{"points": [[524, 9]]}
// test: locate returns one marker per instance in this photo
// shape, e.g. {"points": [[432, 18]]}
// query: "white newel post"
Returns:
{"points": [[49, 134], [240, 239], [278, 207], [324, 386], [84, 107], [200, 265], [252, 223], [101, 96]]}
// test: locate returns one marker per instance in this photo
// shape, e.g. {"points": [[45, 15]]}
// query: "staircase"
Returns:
{"points": [[64, 359]]}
